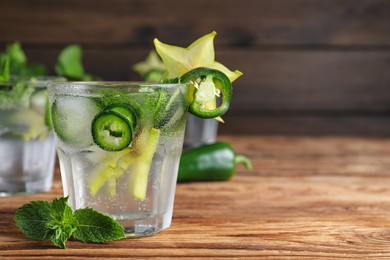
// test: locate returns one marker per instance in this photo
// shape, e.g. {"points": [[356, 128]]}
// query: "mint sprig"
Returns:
{"points": [[18, 58], [70, 65], [18, 62], [15, 94], [96, 227], [55, 221], [4, 67]]}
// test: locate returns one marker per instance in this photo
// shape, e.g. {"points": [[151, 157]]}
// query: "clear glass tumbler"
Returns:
{"points": [[119, 146], [27, 150]]}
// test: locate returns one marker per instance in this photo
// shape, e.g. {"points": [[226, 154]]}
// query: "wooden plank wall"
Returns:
{"points": [[310, 66]]}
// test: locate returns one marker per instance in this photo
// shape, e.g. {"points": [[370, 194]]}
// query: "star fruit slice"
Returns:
{"points": [[200, 53]]}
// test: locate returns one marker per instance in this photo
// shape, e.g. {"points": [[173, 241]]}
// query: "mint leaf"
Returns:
{"points": [[18, 93], [69, 62], [62, 222], [5, 99], [4, 67], [18, 59], [96, 227], [18, 62], [41, 220], [90, 77], [22, 93], [34, 69], [55, 221], [32, 218]]}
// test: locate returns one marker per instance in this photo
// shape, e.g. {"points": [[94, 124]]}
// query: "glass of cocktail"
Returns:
{"points": [[119, 145], [27, 151]]}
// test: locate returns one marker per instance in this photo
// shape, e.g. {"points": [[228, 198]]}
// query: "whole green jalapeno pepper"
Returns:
{"points": [[211, 162]]}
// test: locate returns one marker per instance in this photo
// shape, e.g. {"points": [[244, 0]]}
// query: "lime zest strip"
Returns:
{"points": [[111, 170], [112, 182], [138, 178]]}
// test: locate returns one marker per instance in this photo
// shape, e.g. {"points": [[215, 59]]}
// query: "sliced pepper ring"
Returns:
{"points": [[221, 82], [111, 131], [125, 111]]}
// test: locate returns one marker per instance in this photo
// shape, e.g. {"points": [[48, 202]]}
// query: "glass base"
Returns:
{"points": [[26, 167], [147, 226], [8, 188]]}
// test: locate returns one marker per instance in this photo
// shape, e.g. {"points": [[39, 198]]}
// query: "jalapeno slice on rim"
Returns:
{"points": [[200, 105], [111, 131]]}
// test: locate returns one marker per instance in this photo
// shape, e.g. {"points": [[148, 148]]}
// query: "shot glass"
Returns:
{"points": [[119, 146], [27, 150], [200, 131]]}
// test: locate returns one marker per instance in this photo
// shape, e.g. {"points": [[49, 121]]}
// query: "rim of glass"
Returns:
{"points": [[42, 81], [32, 80], [66, 86], [37, 77]]}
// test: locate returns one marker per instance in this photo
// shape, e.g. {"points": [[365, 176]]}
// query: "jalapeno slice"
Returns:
{"points": [[200, 105], [111, 131], [125, 111]]}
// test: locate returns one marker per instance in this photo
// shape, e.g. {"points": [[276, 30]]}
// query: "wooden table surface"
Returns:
{"points": [[307, 197]]}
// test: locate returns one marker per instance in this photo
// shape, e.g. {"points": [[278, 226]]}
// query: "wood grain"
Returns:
{"points": [[274, 81], [306, 198], [243, 24], [301, 124], [324, 63]]}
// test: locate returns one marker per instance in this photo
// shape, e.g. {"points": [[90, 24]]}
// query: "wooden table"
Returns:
{"points": [[307, 197]]}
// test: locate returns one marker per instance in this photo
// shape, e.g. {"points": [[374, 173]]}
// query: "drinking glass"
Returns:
{"points": [[27, 150], [119, 146]]}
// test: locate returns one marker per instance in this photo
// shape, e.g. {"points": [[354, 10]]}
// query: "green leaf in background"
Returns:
{"points": [[70, 62], [34, 69], [22, 93], [96, 227], [18, 59], [4, 67], [18, 93], [18, 62], [90, 77]]}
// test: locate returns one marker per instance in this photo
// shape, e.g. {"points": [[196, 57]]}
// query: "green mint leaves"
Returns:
{"points": [[18, 62], [56, 221], [15, 94], [4, 67], [69, 64], [42, 220], [96, 227], [18, 59]]}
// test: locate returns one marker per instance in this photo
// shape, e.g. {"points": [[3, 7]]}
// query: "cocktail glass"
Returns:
{"points": [[132, 181], [27, 150]]}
